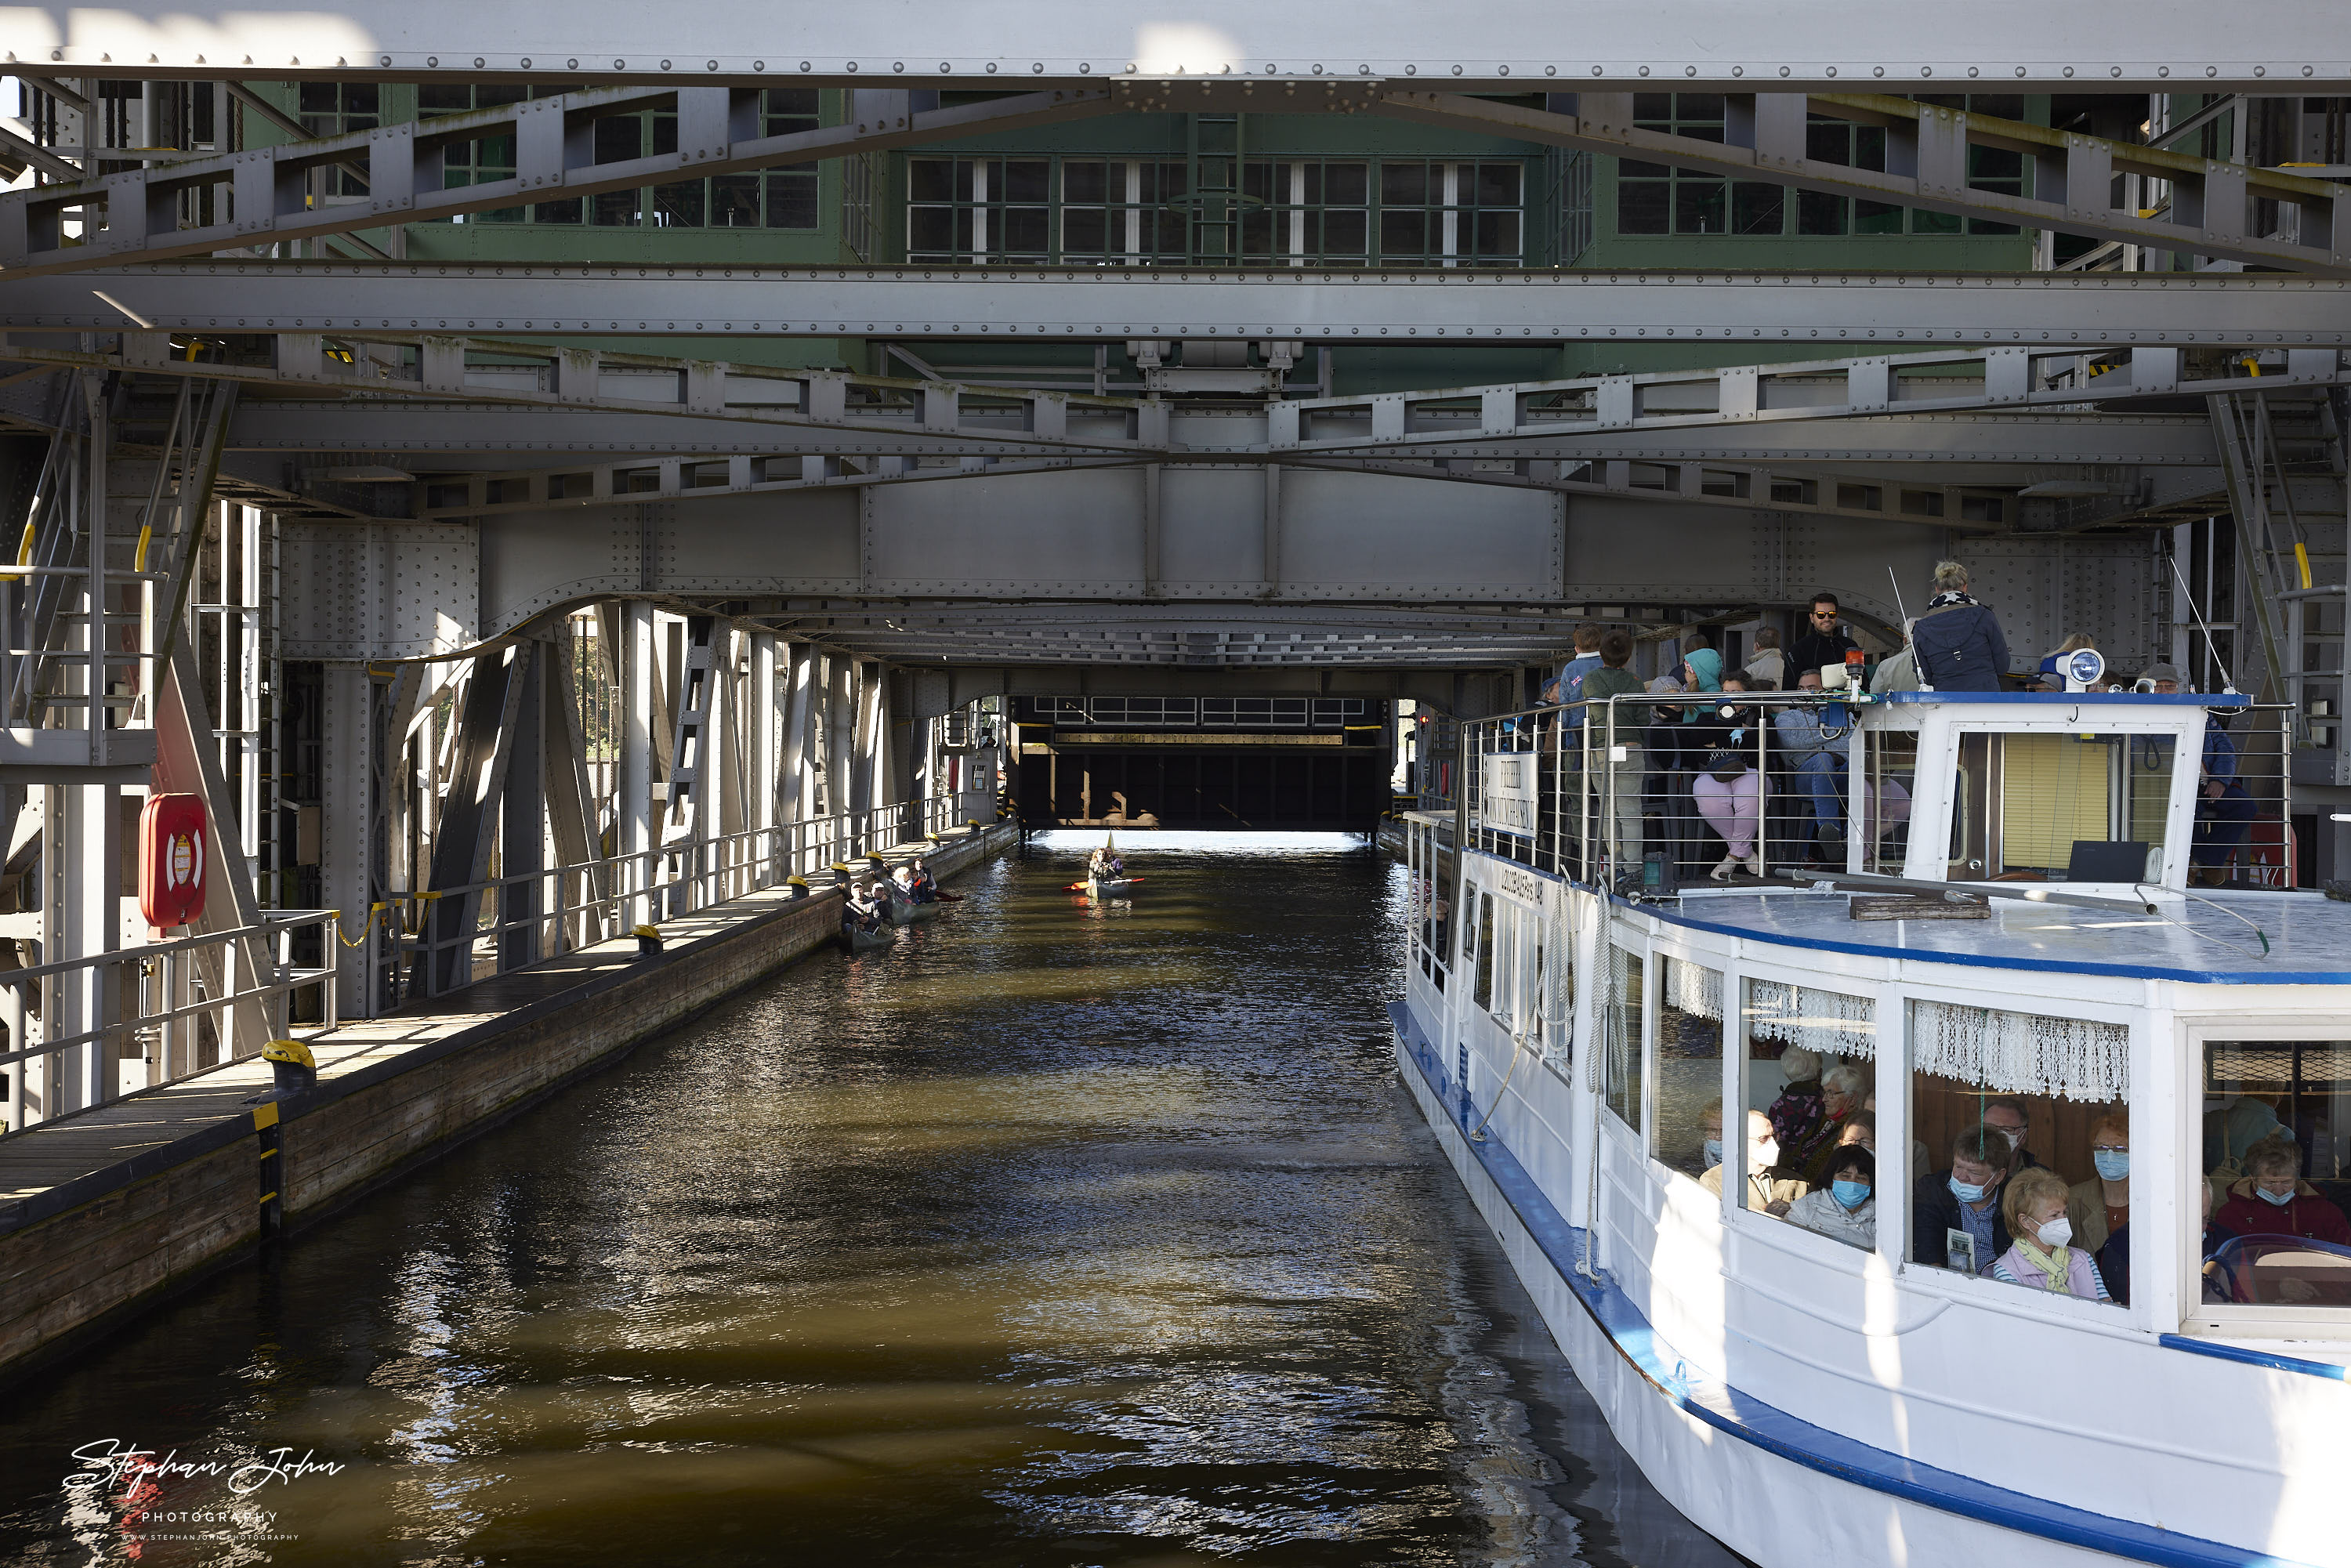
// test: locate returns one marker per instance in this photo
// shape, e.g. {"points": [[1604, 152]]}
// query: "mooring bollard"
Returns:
{"points": [[649, 941]]}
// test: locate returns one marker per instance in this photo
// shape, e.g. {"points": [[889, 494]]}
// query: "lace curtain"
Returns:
{"points": [[2023, 1053], [1829, 1022], [1559, 971], [1693, 989]]}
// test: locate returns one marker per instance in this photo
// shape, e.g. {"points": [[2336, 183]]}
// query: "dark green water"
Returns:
{"points": [[1053, 1236]]}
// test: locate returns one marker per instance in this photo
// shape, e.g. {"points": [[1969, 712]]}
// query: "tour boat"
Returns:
{"points": [[2012, 938]]}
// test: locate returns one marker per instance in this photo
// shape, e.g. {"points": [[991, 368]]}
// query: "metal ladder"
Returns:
{"points": [[2284, 457]]}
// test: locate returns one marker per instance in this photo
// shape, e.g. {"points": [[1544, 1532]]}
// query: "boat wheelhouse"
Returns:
{"points": [[2012, 942]]}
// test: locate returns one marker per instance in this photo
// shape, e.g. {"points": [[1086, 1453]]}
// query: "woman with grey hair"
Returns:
{"points": [[1957, 640]]}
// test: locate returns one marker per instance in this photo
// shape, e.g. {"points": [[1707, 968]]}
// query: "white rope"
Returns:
{"points": [[2023, 1053], [1828, 1022]]}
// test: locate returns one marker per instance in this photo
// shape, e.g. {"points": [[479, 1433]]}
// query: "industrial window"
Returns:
{"points": [[1269, 211], [332, 109], [780, 198], [1657, 199]]}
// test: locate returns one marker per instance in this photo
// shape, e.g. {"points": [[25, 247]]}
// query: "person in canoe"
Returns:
{"points": [[861, 910], [927, 889]]}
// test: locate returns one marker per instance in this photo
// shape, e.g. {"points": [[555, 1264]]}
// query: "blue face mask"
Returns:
{"points": [[2279, 1199], [1968, 1191], [2113, 1164], [1713, 1148], [1850, 1194]]}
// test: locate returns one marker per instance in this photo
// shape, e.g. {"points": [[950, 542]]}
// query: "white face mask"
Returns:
{"points": [[2057, 1233]]}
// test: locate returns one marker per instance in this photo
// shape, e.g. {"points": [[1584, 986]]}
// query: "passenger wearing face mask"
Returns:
{"points": [[1766, 1192], [1846, 1208], [2114, 1258], [2273, 1200], [2100, 1206], [1965, 1197], [2007, 1118], [2043, 1257]]}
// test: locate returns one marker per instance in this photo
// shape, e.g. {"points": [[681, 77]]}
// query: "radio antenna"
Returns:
{"points": [[2227, 682], [1899, 608]]}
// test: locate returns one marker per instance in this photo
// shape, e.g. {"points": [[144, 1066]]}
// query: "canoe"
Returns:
{"points": [[906, 912], [1116, 887], [857, 941]]}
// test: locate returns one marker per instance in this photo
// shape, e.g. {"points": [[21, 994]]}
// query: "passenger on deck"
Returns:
{"points": [[1898, 671], [2273, 1200], [1728, 740], [2101, 1205], [1767, 663], [1845, 1207], [1825, 641], [2043, 1255], [1964, 1197], [2008, 1118], [1957, 640], [1816, 754], [1841, 1089], [2224, 809], [1618, 724], [1771, 1194], [1567, 686]]}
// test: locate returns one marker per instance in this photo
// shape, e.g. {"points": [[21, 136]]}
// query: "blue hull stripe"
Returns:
{"points": [[2269, 1359], [1774, 1430]]}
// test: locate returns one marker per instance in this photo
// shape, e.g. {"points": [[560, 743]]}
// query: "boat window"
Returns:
{"points": [[2021, 1121], [1807, 1067], [1431, 911], [2277, 1156], [1477, 931], [1885, 808], [1559, 984], [1623, 1023], [1688, 1136], [1499, 938], [2045, 807]]}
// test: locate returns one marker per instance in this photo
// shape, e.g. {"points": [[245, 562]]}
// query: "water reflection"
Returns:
{"points": [[1055, 1234]]}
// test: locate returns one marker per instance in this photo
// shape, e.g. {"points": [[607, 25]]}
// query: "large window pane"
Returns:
{"points": [[792, 198], [679, 206], [1689, 1132], [619, 209], [1621, 1028], [1403, 235], [2276, 1135], [1756, 209], [1643, 207], [2026, 1123], [735, 202], [1700, 207]]}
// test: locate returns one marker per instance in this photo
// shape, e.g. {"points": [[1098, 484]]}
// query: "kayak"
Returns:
{"points": [[1116, 887], [905, 911], [857, 941]]}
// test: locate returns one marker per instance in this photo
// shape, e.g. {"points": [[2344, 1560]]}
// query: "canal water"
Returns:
{"points": [[1056, 1235]]}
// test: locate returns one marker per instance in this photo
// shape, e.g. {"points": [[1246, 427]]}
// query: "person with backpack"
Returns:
{"points": [[1957, 638]]}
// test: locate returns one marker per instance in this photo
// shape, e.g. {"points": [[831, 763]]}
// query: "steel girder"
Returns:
{"points": [[2210, 210], [134, 216], [1824, 312], [1715, 45], [267, 188]]}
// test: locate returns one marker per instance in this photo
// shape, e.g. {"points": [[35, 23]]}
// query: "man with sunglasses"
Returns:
{"points": [[1825, 640]]}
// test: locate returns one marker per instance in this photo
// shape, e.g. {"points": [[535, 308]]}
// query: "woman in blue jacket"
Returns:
{"points": [[1956, 641]]}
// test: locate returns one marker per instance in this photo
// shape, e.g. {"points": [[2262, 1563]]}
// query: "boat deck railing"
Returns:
{"points": [[1590, 763]]}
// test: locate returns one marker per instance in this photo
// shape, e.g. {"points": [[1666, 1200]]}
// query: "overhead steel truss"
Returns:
{"points": [[141, 215], [2209, 208], [1709, 44], [1819, 311], [394, 393]]}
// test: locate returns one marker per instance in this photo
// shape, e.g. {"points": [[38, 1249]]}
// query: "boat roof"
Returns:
{"points": [[2206, 940]]}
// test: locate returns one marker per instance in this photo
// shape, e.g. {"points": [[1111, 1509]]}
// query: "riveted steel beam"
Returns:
{"points": [[1712, 45], [1813, 312], [2210, 209], [136, 215]]}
